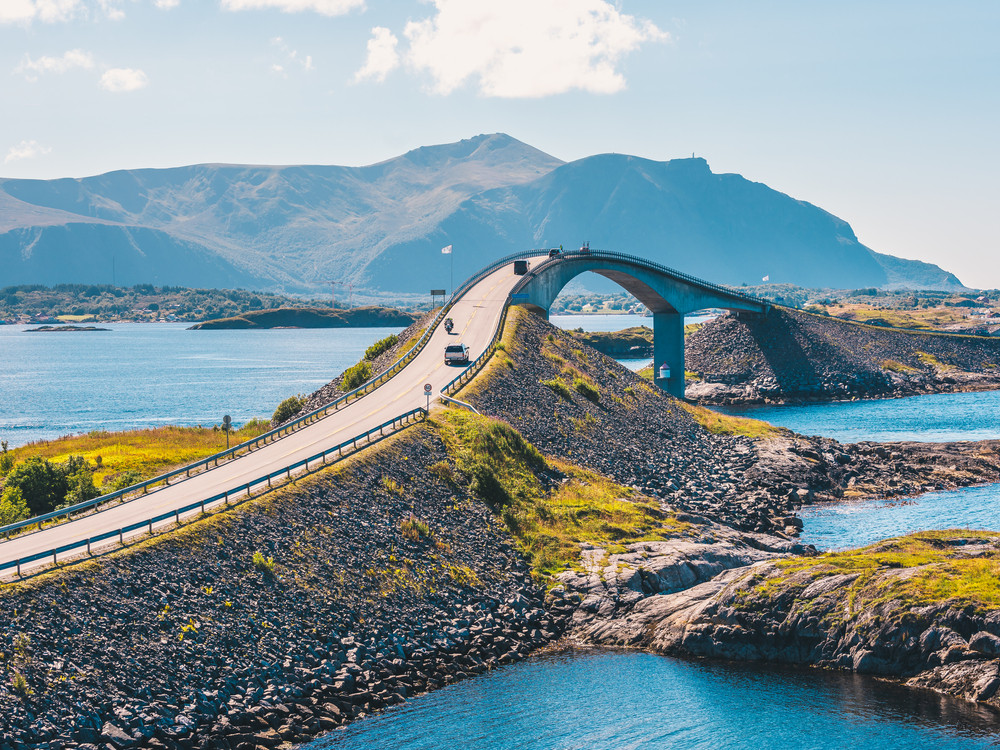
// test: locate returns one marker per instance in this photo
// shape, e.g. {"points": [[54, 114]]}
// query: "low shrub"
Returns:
{"points": [[381, 346], [264, 564], [356, 376], [288, 409], [414, 529]]}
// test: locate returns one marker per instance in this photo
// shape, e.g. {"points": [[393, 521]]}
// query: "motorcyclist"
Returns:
{"points": [[448, 324]]}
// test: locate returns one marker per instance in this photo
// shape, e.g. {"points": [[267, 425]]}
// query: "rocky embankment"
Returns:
{"points": [[792, 356], [632, 432], [345, 593], [917, 608]]}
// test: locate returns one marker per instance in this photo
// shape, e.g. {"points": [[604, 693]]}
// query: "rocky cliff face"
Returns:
{"points": [[789, 355]]}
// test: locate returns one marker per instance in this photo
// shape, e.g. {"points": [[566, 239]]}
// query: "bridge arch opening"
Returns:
{"points": [[667, 294]]}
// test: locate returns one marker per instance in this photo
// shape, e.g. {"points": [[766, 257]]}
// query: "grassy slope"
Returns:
{"points": [[550, 506], [148, 452]]}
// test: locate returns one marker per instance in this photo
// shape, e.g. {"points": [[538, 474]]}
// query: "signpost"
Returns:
{"points": [[435, 293], [427, 392], [227, 425]]}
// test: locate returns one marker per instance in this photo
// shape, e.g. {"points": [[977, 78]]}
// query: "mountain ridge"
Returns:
{"points": [[381, 226]]}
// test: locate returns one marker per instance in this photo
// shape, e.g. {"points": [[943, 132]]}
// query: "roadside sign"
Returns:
{"points": [[227, 425], [428, 388], [437, 292]]}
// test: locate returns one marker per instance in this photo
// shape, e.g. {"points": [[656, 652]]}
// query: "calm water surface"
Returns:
{"points": [[151, 374], [844, 525], [939, 417], [598, 699]]}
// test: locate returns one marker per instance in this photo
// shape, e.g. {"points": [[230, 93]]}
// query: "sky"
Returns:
{"points": [[884, 113]]}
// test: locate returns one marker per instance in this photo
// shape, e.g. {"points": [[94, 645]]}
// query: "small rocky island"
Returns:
{"points": [[312, 317], [60, 329]]}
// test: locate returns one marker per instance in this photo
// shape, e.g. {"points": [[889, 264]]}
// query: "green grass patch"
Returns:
{"points": [[893, 366], [931, 361], [145, 453], [559, 388], [724, 424], [944, 572], [501, 467], [588, 389]]}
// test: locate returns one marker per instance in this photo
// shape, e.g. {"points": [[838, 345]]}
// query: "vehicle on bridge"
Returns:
{"points": [[449, 324], [585, 248], [456, 354]]}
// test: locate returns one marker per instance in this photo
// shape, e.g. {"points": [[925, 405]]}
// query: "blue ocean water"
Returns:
{"points": [[151, 374], [594, 700], [939, 417], [856, 524]]}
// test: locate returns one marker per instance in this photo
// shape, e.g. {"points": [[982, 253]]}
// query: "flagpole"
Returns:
{"points": [[452, 254]]}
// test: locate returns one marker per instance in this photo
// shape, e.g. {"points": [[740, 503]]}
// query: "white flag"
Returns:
{"points": [[767, 278], [446, 250]]}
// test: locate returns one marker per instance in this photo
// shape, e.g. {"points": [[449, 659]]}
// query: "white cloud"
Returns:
{"points": [[526, 48], [167, 4], [120, 80], [26, 150], [324, 7], [111, 9], [26, 11], [74, 58], [382, 56], [291, 57]]}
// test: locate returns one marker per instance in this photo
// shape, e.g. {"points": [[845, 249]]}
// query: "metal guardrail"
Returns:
{"points": [[270, 436], [395, 423], [275, 434]]}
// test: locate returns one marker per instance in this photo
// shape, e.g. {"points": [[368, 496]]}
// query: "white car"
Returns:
{"points": [[456, 354]]}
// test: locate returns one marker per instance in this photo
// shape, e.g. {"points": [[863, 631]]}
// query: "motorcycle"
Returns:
{"points": [[449, 324]]}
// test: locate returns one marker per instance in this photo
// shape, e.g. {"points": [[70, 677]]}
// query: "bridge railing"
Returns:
{"points": [[347, 447], [652, 266]]}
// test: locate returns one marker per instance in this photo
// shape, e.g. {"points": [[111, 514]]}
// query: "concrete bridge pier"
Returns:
{"points": [[668, 348]]}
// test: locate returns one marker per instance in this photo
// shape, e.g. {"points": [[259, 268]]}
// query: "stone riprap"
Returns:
{"points": [[188, 641], [792, 356], [634, 433]]}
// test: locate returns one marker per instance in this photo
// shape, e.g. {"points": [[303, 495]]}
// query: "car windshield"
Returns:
{"points": [[455, 348]]}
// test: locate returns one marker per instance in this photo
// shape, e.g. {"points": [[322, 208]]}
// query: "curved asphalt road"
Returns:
{"points": [[476, 316]]}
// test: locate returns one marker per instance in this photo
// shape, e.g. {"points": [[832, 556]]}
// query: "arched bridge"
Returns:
{"points": [[668, 294]]}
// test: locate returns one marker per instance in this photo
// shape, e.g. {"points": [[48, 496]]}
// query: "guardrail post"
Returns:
{"points": [[248, 489], [53, 557], [18, 568], [177, 516], [151, 526], [225, 498], [121, 537], [88, 548], [202, 507]]}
